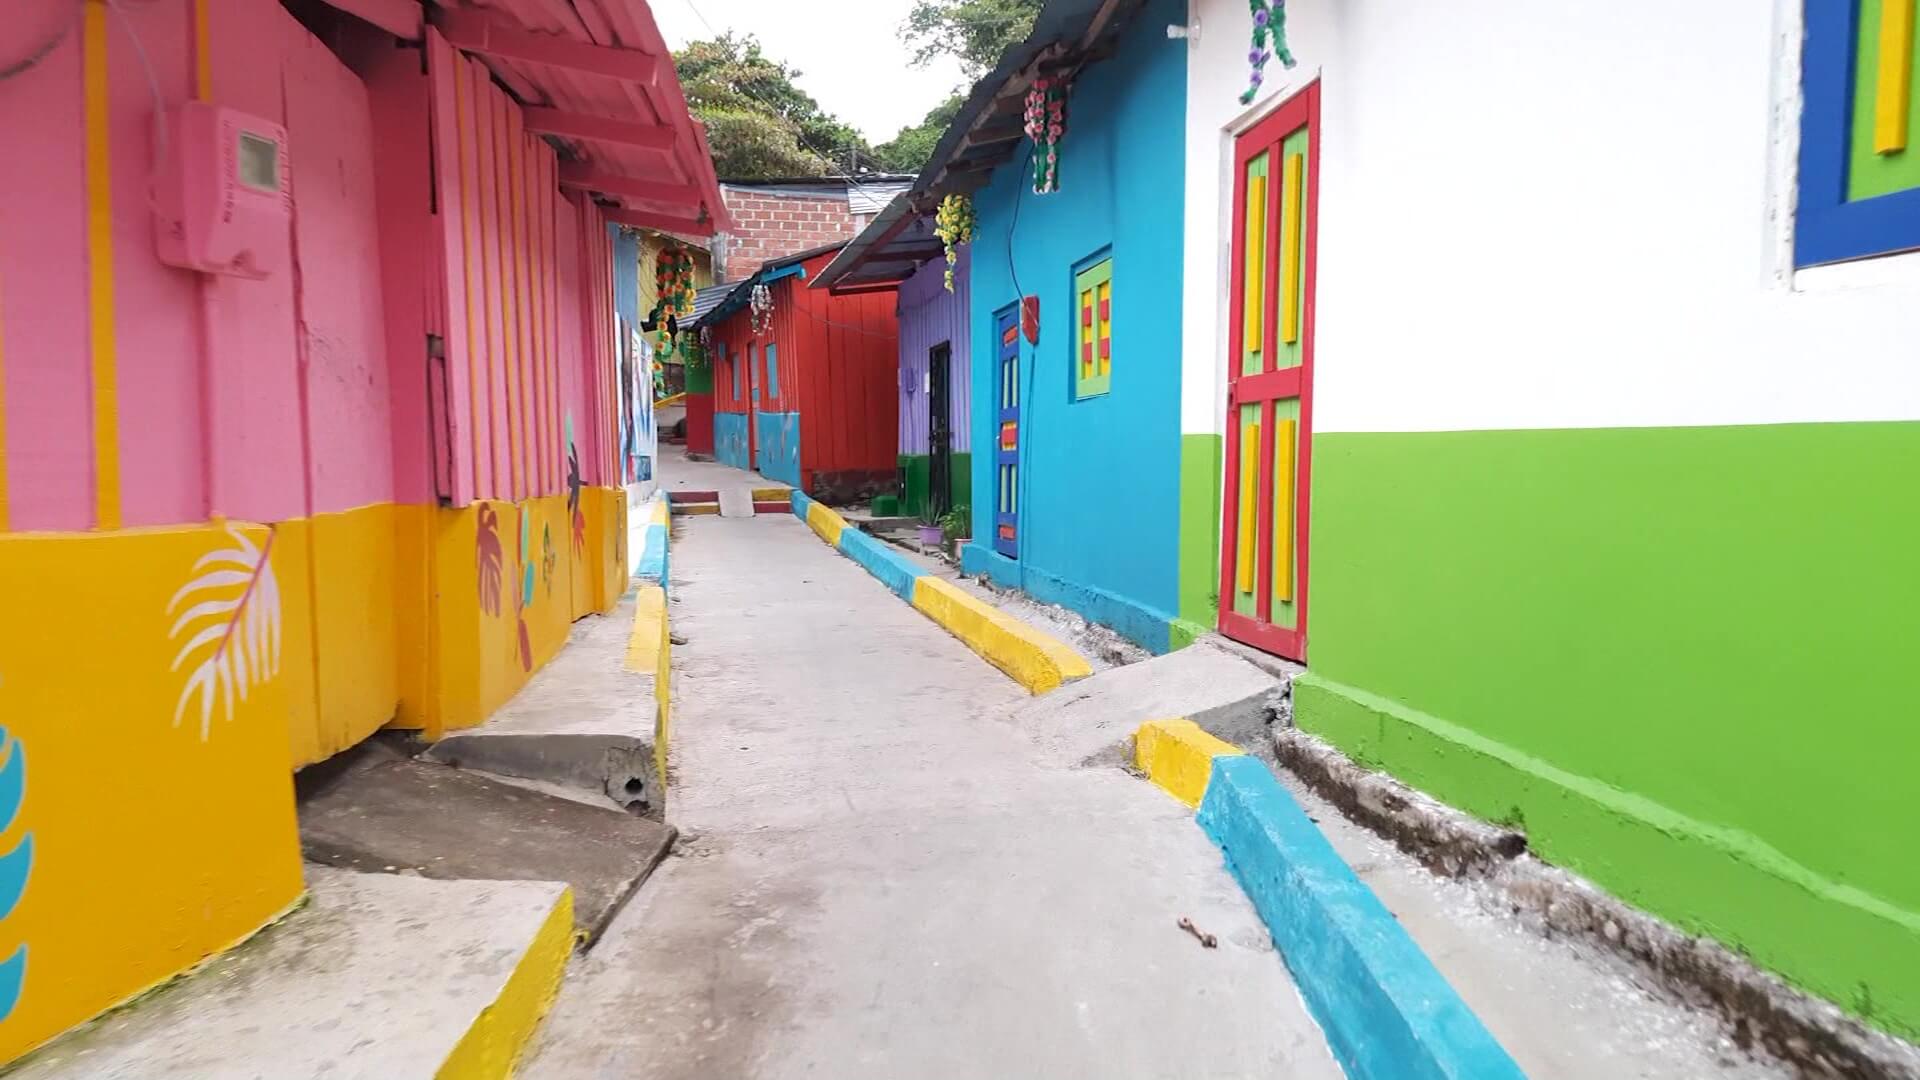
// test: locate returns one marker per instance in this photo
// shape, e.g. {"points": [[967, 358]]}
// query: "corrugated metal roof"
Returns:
{"points": [[707, 299], [864, 198], [624, 24], [719, 301]]}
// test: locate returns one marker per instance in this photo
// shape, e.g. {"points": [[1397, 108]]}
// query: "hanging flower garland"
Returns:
{"points": [[953, 224], [1046, 124], [1269, 26], [761, 306], [673, 282]]}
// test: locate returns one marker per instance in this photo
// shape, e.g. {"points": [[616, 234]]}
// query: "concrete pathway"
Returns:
{"points": [[880, 879]]}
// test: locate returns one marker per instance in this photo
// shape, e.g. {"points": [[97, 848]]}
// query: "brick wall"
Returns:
{"points": [[769, 226]]}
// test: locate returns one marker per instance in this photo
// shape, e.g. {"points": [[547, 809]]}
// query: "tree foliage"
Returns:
{"points": [[759, 123], [975, 32], [909, 150]]}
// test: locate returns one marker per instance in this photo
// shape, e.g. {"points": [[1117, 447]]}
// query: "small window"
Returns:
{"points": [[1859, 154], [773, 373], [1093, 337], [733, 370]]}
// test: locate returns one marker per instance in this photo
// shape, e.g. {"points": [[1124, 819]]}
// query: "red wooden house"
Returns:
{"points": [[805, 387]]}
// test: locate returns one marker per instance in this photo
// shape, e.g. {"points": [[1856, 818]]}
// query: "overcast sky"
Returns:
{"points": [[848, 51]]}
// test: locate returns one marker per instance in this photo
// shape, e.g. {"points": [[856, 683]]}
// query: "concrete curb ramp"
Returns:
{"points": [[1035, 660], [1387, 1012], [379, 975]]}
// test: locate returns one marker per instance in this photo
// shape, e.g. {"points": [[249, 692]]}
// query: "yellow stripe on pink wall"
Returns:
{"points": [[106, 416]]}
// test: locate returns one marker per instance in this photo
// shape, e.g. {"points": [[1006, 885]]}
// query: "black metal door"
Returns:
{"points": [[939, 429]]}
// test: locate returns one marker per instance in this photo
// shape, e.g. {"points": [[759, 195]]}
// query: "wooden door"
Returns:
{"points": [[1269, 420], [1006, 438]]}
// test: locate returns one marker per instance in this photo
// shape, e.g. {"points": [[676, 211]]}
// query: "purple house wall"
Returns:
{"points": [[930, 316]]}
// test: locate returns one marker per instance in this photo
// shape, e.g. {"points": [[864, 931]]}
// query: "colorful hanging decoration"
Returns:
{"points": [[761, 305], [673, 282], [1269, 41], [953, 224], [1046, 124]]}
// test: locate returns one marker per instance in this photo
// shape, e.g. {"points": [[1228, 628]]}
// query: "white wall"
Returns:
{"points": [[1569, 214]]}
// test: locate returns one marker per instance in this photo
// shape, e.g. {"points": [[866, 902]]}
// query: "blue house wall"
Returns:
{"points": [[1100, 487]]}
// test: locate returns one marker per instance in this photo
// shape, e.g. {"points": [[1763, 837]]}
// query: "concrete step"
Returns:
{"points": [[691, 503], [417, 817], [377, 977], [584, 720], [1093, 720]]}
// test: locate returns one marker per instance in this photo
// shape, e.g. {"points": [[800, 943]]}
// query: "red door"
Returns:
{"points": [[1263, 537]]}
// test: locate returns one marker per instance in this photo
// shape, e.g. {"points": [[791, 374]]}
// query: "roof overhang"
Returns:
{"points": [[1067, 35], [708, 311], [595, 78]]}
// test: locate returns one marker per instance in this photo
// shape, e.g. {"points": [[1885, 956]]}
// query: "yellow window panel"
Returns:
{"points": [[1283, 451], [1290, 214], [1894, 88], [1254, 299], [1249, 502]]}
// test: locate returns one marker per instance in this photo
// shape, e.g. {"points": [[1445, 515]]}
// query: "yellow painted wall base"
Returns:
{"points": [[1036, 661], [1178, 756], [492, 1046], [651, 649], [155, 825], [500, 585]]}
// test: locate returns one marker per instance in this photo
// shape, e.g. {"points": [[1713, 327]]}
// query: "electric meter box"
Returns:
{"points": [[221, 201]]}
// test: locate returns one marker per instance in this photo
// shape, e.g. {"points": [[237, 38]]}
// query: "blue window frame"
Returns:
{"points": [[1830, 227], [733, 368], [773, 372]]}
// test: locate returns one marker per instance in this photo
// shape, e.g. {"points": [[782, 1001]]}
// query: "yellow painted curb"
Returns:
{"points": [[696, 509], [650, 649], [827, 523], [1035, 660], [658, 513], [491, 1047], [1178, 756], [771, 494]]}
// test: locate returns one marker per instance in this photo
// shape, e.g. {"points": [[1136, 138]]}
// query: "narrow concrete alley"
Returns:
{"points": [[877, 878]]}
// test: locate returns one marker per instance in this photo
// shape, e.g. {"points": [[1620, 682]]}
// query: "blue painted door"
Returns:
{"points": [[1006, 440]]}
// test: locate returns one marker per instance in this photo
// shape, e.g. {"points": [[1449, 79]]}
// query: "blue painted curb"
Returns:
{"points": [[895, 571], [800, 504], [654, 562], [1388, 1013]]}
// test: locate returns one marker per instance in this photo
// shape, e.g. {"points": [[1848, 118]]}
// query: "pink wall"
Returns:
{"points": [[421, 206], [514, 248]]}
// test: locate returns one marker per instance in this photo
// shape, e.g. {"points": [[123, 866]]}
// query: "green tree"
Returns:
{"points": [[975, 32], [909, 150], [758, 122]]}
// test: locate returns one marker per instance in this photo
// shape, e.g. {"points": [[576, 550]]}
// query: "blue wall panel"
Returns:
{"points": [[778, 454], [730, 439], [1100, 504]]}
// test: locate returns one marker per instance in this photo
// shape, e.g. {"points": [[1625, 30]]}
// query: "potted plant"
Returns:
{"points": [[930, 527], [953, 527]]}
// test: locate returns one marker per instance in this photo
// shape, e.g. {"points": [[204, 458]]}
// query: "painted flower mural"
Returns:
{"points": [[15, 866], [488, 559], [227, 618]]}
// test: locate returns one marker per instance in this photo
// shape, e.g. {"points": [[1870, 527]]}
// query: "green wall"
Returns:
{"points": [[918, 470], [1686, 661], [1199, 538]]}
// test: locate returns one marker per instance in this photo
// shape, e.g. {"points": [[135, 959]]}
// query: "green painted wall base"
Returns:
{"points": [[916, 469], [1684, 660], [1199, 538]]}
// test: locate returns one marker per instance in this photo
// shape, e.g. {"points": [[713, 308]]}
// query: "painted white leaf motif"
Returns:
{"points": [[229, 618]]}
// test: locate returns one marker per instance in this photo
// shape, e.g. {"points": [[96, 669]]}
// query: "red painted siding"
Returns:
{"points": [[838, 359]]}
